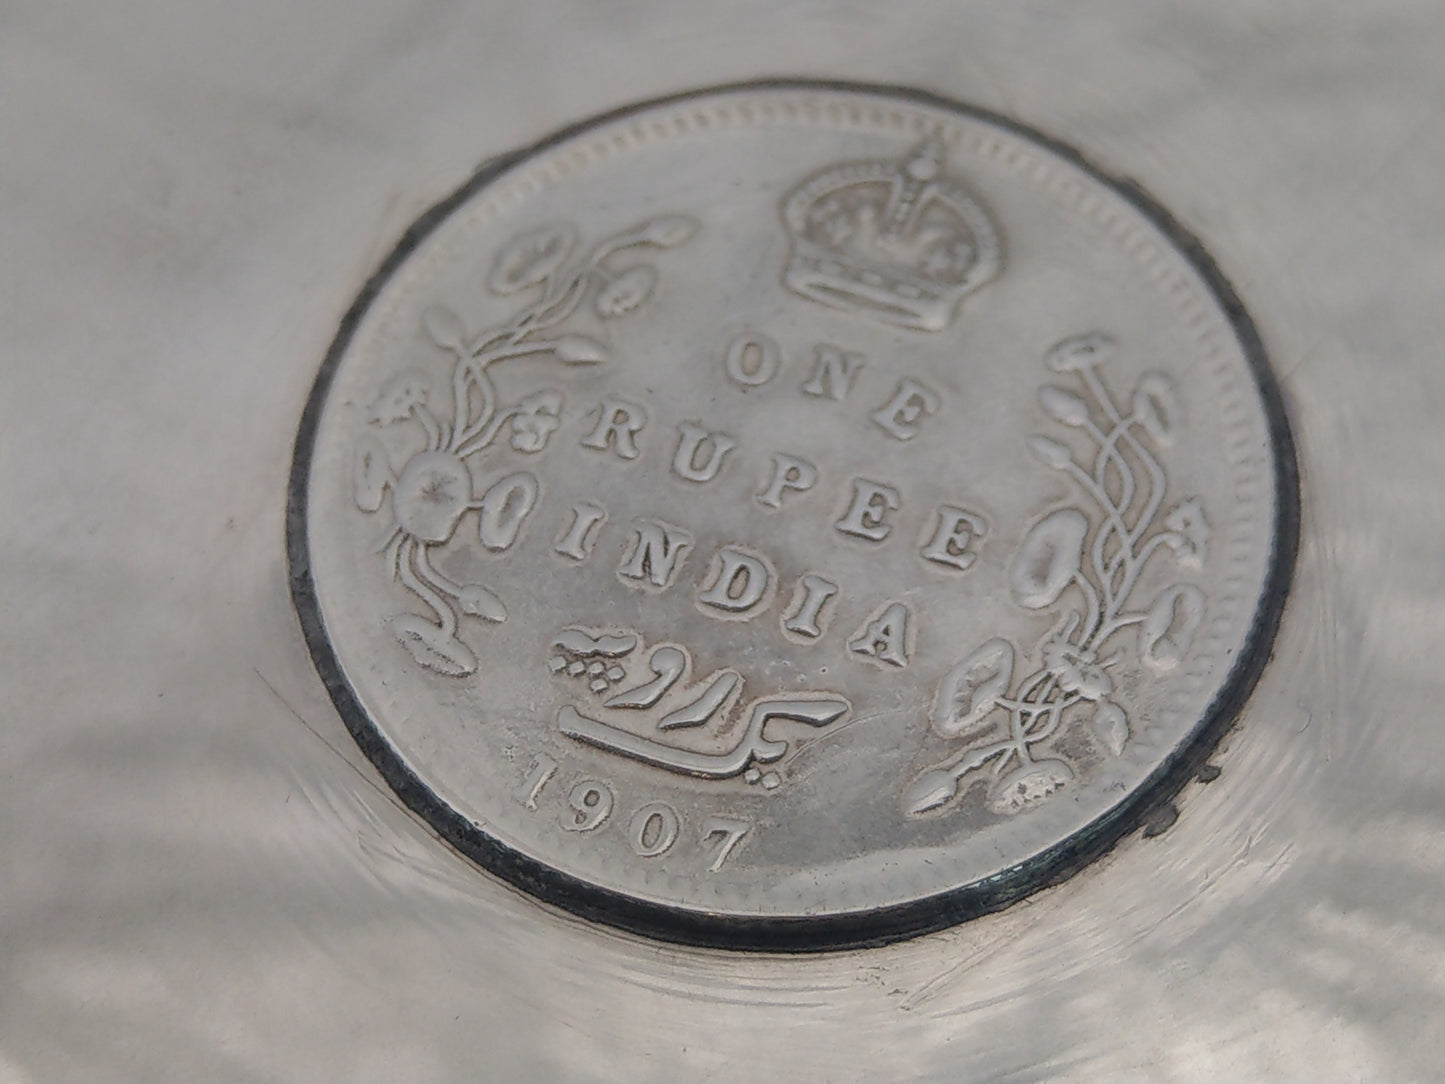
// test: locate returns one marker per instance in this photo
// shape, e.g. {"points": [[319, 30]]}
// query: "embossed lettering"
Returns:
{"points": [[740, 583], [543, 768], [752, 359], [577, 541], [753, 745], [883, 638], [789, 472], [700, 711], [868, 513], [833, 372], [655, 555], [618, 423], [504, 506], [589, 803], [731, 829], [952, 540], [900, 416], [653, 830], [667, 664], [804, 616], [691, 438]]}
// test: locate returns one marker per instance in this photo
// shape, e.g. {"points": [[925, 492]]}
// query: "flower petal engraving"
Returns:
{"points": [[1157, 407], [579, 350], [433, 646], [434, 489], [970, 691], [929, 791], [626, 292], [1168, 629], [398, 397], [1077, 670], [1050, 452], [481, 602], [1028, 786], [372, 473], [1191, 530], [1063, 406], [1048, 558], [538, 415], [1111, 725], [1080, 352], [445, 328], [668, 231], [530, 258]]}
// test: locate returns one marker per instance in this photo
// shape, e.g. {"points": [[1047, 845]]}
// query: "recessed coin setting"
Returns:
{"points": [[791, 516]]}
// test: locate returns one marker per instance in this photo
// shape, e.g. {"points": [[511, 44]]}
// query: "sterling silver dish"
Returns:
{"points": [[206, 878]]}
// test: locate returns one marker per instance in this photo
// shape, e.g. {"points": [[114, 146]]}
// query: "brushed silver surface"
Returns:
{"points": [[204, 879]]}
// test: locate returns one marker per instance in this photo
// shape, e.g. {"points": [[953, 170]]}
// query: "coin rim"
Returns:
{"points": [[845, 930]]}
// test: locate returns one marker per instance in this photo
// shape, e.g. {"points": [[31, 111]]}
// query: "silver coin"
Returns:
{"points": [[791, 516]]}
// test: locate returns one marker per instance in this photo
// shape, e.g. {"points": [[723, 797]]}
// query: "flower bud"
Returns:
{"points": [[626, 292], [669, 231], [1168, 629], [372, 473], [445, 329], [1050, 452], [480, 602], [1079, 352], [1028, 786], [1157, 407], [1063, 406], [530, 258], [579, 350]]}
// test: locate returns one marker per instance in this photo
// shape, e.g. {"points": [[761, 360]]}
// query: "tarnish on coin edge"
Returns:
{"points": [[695, 926]]}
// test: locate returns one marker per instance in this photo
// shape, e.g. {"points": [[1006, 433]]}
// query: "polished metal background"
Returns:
{"points": [[203, 879]]}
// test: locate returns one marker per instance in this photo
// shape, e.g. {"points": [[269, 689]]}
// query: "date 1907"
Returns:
{"points": [[652, 830]]}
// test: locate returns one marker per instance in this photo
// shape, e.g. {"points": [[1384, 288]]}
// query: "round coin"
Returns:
{"points": [[791, 516]]}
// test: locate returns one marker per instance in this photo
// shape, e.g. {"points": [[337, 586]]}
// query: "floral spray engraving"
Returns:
{"points": [[1094, 556], [434, 489]]}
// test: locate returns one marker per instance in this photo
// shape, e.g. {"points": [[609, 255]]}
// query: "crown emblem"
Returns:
{"points": [[897, 241]]}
